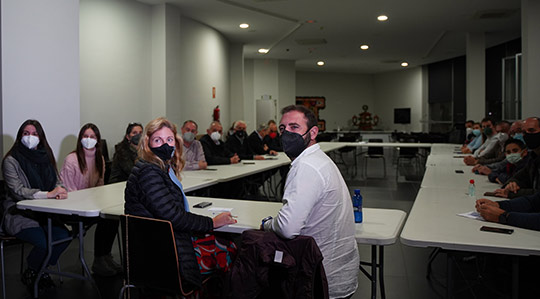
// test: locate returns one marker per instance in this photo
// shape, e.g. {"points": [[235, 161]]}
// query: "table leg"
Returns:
{"points": [[449, 278], [515, 277], [373, 271], [381, 272], [81, 252]]}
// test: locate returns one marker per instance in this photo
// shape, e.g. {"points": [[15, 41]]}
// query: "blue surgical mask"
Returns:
{"points": [[476, 132]]}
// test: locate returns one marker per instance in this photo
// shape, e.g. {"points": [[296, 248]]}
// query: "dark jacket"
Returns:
{"points": [[234, 145], [523, 211], [151, 193], [273, 143], [215, 154], [256, 273], [256, 144], [504, 171], [123, 161], [528, 178]]}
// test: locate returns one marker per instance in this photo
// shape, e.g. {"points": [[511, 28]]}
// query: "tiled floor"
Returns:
{"points": [[405, 267]]}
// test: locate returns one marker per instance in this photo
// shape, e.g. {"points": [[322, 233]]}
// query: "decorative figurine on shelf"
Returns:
{"points": [[364, 121]]}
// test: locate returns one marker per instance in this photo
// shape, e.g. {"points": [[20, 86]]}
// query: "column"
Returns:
{"points": [[476, 76]]}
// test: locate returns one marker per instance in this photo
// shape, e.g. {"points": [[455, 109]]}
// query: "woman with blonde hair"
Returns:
{"points": [[154, 190]]}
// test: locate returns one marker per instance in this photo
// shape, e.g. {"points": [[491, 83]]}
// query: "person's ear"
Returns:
{"points": [[313, 132]]}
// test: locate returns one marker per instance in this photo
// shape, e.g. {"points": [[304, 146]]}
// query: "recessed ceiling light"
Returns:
{"points": [[244, 25], [364, 47], [382, 18], [263, 51], [320, 63], [404, 64]]}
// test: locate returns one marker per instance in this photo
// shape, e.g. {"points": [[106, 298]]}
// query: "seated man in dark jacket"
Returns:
{"points": [[527, 180], [237, 142], [272, 139], [522, 211], [516, 159], [256, 143], [214, 149]]}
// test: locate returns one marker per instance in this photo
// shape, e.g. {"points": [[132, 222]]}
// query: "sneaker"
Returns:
{"points": [[46, 282], [117, 267], [101, 267], [29, 277]]}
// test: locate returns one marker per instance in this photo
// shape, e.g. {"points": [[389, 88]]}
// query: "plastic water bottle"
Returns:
{"points": [[357, 206], [471, 188]]}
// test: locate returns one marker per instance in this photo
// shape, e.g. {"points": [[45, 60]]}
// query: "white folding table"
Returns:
{"points": [[380, 227]]}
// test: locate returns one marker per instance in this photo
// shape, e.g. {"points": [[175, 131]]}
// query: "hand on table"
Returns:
{"points": [[485, 201], [203, 164], [272, 152], [223, 219], [466, 150], [501, 193], [258, 157], [484, 170], [512, 187], [489, 210], [470, 160], [235, 159], [58, 193]]}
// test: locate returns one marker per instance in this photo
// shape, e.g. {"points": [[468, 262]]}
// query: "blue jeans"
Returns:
{"points": [[37, 236]]}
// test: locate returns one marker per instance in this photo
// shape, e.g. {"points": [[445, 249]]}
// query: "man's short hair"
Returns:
{"points": [[191, 121], [262, 126], [215, 122], [515, 141], [486, 119], [308, 114], [470, 121]]}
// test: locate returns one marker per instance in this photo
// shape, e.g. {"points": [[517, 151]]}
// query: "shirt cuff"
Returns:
{"points": [[40, 194]]}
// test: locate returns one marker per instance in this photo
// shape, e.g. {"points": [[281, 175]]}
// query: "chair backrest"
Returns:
{"points": [[105, 150], [150, 257], [408, 151], [375, 150]]}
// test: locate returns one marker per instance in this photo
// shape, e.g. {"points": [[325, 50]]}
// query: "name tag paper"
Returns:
{"points": [[278, 257]]}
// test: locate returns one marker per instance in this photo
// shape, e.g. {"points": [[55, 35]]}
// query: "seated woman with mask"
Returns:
{"points": [[29, 170], [125, 153], [153, 190], [85, 168]]}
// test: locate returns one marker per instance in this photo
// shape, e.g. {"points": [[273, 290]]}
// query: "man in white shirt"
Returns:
{"points": [[193, 150], [493, 145], [316, 202]]}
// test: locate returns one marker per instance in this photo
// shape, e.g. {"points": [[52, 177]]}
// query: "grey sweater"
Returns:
{"points": [[18, 188]]}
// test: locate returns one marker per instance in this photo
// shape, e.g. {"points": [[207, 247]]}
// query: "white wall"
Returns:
{"points": [[345, 95], [115, 40], [205, 64], [530, 26], [399, 89], [40, 70]]}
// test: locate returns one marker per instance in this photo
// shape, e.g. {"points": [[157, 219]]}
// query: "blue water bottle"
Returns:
{"points": [[357, 206]]}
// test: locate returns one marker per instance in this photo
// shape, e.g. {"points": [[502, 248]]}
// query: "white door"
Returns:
{"points": [[266, 110]]}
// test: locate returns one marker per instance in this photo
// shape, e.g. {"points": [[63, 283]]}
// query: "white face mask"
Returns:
{"points": [[30, 141], [468, 131], [215, 136], [188, 137], [88, 143]]}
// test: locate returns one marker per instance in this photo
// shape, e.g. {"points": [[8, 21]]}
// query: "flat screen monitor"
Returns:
{"points": [[402, 115]]}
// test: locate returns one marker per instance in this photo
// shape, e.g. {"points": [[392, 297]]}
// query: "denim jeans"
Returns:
{"points": [[37, 236]]}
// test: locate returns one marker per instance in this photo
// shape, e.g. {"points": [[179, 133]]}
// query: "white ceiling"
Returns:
{"points": [[418, 31]]}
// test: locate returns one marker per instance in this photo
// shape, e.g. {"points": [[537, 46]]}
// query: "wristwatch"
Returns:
{"points": [[503, 218], [265, 219]]}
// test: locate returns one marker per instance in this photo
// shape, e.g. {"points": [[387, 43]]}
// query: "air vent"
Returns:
{"points": [[493, 14], [311, 41]]}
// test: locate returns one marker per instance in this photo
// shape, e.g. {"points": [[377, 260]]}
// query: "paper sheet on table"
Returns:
{"points": [[217, 210], [472, 215]]}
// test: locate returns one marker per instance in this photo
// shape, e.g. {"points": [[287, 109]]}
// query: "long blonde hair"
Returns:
{"points": [[146, 154]]}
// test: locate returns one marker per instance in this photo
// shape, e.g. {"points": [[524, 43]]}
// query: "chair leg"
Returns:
{"points": [[22, 259], [384, 166], [3, 272]]}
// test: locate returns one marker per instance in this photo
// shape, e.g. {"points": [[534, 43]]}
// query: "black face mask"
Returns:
{"points": [[135, 139], [240, 134], [532, 140], [293, 143], [164, 152]]}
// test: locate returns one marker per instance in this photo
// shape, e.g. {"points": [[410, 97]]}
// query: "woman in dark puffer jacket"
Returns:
{"points": [[153, 190]]}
